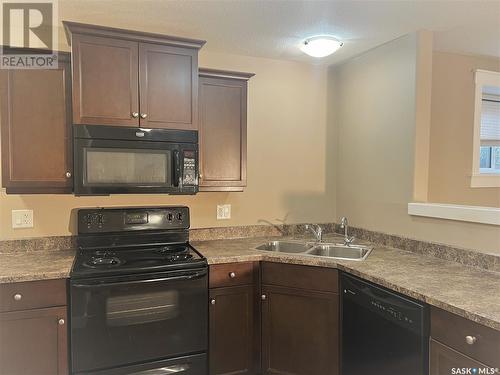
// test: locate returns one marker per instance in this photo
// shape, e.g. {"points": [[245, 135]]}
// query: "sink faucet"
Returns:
{"points": [[316, 229], [344, 225]]}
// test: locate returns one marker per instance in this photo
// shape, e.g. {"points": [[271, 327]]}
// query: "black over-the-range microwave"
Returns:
{"points": [[124, 160]]}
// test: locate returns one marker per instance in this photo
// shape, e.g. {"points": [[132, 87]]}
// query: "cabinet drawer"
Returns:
{"points": [[230, 274], [452, 330], [302, 277], [32, 294]]}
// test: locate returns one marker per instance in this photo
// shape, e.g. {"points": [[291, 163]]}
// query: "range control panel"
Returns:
{"points": [[109, 220]]}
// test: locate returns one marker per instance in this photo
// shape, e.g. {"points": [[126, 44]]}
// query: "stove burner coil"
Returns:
{"points": [[96, 262]]}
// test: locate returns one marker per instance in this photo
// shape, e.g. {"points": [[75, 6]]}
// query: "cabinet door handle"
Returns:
{"points": [[263, 297], [144, 115], [232, 275], [471, 340], [68, 174], [18, 296], [61, 322], [212, 301], [135, 114]]}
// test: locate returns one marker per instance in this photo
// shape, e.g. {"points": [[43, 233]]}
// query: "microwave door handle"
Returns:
{"points": [[123, 283], [177, 168]]}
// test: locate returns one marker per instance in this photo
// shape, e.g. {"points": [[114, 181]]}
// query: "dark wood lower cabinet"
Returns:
{"points": [[232, 330], [34, 342], [300, 331], [444, 359]]}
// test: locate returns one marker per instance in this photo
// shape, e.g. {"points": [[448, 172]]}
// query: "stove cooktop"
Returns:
{"points": [[149, 258]]}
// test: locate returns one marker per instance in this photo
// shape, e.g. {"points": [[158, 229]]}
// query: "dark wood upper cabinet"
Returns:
{"points": [[132, 78], [35, 108], [105, 81], [168, 79], [223, 130]]}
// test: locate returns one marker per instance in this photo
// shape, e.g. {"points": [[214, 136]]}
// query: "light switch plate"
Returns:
{"points": [[223, 211], [22, 219]]}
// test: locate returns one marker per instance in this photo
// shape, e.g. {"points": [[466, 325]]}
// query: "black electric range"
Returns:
{"points": [[139, 293]]}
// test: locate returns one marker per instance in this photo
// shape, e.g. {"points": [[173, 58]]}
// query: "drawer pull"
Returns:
{"points": [[212, 301], [232, 275], [471, 340], [263, 297], [61, 322], [17, 297]]}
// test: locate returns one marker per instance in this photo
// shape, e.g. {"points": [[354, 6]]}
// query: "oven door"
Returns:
{"points": [[134, 319]]}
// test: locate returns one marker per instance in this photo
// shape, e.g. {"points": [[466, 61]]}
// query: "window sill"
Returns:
{"points": [[473, 214], [485, 180]]}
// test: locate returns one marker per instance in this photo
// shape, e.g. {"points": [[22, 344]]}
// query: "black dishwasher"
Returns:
{"points": [[383, 333]]}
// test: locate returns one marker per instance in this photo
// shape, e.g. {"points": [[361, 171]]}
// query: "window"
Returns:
{"points": [[489, 160], [489, 154], [486, 158]]}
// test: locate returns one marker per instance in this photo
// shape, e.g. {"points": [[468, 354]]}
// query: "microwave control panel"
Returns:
{"points": [[189, 168]]}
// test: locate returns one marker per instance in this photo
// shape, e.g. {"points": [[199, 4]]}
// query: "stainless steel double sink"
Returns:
{"points": [[319, 249]]}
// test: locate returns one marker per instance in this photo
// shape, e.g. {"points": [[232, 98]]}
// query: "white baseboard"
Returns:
{"points": [[474, 214]]}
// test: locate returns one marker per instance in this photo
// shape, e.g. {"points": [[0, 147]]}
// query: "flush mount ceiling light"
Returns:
{"points": [[320, 46]]}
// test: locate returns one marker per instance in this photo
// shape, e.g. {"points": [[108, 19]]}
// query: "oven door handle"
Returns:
{"points": [[174, 369], [171, 278]]}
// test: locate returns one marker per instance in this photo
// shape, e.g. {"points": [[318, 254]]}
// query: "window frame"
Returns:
{"points": [[479, 178]]}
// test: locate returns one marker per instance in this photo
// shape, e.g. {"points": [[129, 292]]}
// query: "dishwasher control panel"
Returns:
{"points": [[391, 311]]}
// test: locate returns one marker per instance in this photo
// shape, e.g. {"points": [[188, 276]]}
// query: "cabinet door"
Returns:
{"points": [[36, 129], [34, 342], [232, 330], [443, 359], [105, 81], [168, 86], [222, 131], [300, 331]]}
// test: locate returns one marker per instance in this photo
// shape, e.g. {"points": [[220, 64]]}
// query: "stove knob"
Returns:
{"points": [[179, 216], [170, 217]]}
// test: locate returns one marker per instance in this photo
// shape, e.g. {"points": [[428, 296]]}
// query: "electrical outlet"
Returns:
{"points": [[223, 211], [22, 219]]}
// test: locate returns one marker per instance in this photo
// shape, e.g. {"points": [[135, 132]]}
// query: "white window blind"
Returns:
{"points": [[490, 118]]}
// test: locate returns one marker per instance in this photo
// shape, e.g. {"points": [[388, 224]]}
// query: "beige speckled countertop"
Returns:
{"points": [[469, 292], [35, 265]]}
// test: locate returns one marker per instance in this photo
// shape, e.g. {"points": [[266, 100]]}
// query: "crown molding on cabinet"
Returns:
{"points": [[217, 73], [133, 35]]}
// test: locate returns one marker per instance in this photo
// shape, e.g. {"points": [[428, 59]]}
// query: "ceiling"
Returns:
{"points": [[275, 28]]}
